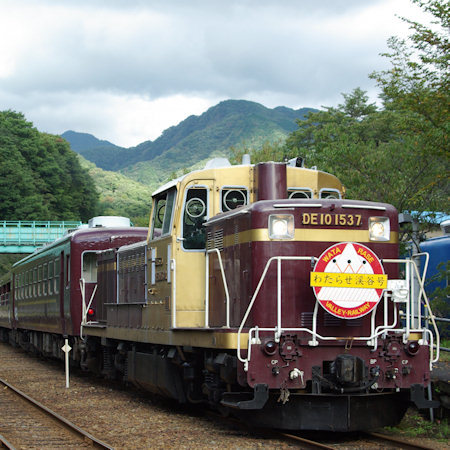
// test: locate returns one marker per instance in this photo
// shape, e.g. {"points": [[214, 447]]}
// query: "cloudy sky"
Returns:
{"points": [[126, 70]]}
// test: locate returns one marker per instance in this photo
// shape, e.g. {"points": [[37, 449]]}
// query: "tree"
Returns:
{"points": [[40, 177], [399, 153], [269, 151], [418, 80], [372, 152]]}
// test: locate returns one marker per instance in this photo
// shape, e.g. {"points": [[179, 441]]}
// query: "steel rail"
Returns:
{"points": [[308, 443], [60, 419], [393, 440]]}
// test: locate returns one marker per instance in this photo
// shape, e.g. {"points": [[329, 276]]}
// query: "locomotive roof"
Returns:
{"points": [[224, 165]]}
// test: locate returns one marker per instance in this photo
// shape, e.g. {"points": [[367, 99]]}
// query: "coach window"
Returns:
{"points": [[162, 213], [39, 280], [44, 277], [50, 277], [67, 271], [35, 282], [90, 267], [57, 271], [27, 277], [195, 213]]}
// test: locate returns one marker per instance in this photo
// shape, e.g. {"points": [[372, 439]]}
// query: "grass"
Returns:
{"points": [[444, 356], [415, 425]]}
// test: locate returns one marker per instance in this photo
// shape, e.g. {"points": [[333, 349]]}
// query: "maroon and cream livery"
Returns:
{"points": [[260, 291], [320, 298]]}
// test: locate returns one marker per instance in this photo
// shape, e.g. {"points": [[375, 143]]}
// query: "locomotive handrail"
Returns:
{"points": [[225, 286], [422, 294], [173, 267], [84, 308], [375, 332], [255, 294]]}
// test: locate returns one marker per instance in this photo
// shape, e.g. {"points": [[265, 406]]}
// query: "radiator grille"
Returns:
{"points": [[307, 319], [215, 240]]}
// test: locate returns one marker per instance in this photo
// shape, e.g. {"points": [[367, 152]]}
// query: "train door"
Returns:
{"points": [[89, 283], [188, 308], [159, 261]]}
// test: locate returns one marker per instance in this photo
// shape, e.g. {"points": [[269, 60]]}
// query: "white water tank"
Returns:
{"points": [[109, 221]]}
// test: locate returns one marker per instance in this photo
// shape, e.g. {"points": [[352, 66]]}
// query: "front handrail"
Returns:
{"points": [[372, 339], [255, 294]]}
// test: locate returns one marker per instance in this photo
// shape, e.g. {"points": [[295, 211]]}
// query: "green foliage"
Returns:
{"points": [[269, 151], [40, 177], [440, 304], [7, 261], [119, 195], [418, 80], [373, 152], [415, 425]]}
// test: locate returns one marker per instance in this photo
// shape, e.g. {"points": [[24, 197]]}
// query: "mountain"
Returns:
{"points": [[84, 141], [195, 139]]}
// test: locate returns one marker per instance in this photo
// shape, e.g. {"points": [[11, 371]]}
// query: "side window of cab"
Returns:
{"points": [[162, 213], [194, 215]]}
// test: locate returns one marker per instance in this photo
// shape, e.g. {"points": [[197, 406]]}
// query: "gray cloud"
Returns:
{"points": [[56, 56]]}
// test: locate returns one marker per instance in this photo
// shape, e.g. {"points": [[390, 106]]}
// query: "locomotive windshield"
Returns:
{"points": [[162, 213], [195, 213]]}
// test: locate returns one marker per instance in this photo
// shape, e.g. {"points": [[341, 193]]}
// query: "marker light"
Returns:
{"points": [[379, 229], [270, 348], [90, 312], [281, 226], [412, 348]]}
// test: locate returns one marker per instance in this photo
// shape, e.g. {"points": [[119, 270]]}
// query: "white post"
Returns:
{"points": [[66, 349]]}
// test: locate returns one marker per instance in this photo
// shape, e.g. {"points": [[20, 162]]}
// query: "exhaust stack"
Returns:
{"points": [[270, 181]]}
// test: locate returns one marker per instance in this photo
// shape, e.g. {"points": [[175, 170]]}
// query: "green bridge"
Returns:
{"points": [[27, 236]]}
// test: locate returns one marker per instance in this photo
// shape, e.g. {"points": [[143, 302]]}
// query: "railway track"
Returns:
{"points": [[364, 440], [26, 423]]}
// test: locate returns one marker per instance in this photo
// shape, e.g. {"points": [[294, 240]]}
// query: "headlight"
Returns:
{"points": [[281, 226], [379, 229]]}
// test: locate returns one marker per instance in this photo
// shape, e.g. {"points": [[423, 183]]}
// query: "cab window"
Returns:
{"points": [[300, 193], [329, 193], [232, 198], [195, 213], [162, 213]]}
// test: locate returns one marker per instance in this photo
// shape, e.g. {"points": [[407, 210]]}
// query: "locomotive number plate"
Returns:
{"points": [[350, 220]]}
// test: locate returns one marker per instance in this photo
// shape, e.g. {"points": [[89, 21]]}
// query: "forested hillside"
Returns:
{"points": [[119, 195], [194, 140], [40, 176]]}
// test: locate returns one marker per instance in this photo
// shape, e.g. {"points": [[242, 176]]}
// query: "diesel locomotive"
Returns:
{"points": [[259, 290]]}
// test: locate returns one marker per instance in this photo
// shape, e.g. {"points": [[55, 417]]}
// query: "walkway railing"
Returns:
{"points": [[27, 236]]}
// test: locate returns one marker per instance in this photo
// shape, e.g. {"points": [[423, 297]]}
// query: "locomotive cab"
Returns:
{"points": [[178, 233]]}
